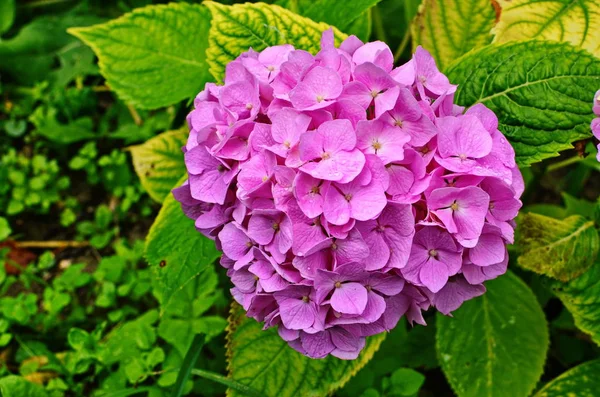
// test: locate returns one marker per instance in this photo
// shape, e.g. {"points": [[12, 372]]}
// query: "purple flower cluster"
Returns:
{"points": [[346, 193], [596, 121]]}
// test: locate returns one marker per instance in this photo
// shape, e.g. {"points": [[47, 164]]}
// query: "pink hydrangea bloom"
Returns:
{"points": [[346, 193], [596, 122]]}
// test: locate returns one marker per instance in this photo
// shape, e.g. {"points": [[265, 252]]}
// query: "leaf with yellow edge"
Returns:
{"points": [[263, 361], [555, 20], [451, 28], [234, 29]]}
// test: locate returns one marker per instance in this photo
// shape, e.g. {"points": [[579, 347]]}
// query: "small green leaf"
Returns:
{"points": [[165, 47], [581, 297], [234, 29], [581, 381], [158, 162], [451, 28], [562, 249], [263, 361], [330, 11], [496, 344], [16, 386], [540, 91], [5, 229], [7, 14], [176, 250], [405, 382], [553, 20]]}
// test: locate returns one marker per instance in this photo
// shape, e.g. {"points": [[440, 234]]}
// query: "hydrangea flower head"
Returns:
{"points": [[346, 193], [596, 121]]}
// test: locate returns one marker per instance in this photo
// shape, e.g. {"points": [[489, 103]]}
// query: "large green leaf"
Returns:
{"points": [[30, 55], [176, 250], [234, 29], [262, 360], [330, 11], [581, 381], [159, 162], [555, 20], [361, 26], [451, 28], [581, 297], [496, 344], [559, 248], [540, 91], [153, 56]]}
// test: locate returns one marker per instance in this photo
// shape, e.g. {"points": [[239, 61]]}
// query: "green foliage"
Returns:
{"points": [[451, 28], [537, 90], [7, 14], [176, 251], [15, 386], [262, 360], [159, 162], [236, 28], [5, 229], [581, 381], [496, 344], [556, 20], [562, 249], [165, 48]]}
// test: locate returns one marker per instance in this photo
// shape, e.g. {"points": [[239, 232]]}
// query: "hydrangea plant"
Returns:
{"points": [[344, 190]]}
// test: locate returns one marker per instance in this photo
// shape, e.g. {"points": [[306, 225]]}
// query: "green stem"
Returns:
{"points": [[44, 3], [378, 22], [565, 163], [402, 45], [232, 384], [188, 364]]}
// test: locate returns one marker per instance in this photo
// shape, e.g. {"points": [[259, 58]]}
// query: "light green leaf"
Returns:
{"points": [[16, 386], [451, 28], [165, 53], [5, 229], [158, 162], [496, 344], [562, 249], [581, 381], [330, 11], [553, 20], [263, 361], [234, 29], [7, 14], [540, 91], [176, 250], [581, 297], [405, 382]]}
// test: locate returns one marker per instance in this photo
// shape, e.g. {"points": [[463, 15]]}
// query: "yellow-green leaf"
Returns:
{"points": [[234, 29], [581, 381], [263, 361], [451, 28], [555, 20], [560, 248], [158, 162]]}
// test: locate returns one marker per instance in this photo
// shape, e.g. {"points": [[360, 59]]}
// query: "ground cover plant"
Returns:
{"points": [[299, 198]]}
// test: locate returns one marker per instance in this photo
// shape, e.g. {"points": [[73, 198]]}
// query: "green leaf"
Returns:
{"points": [[46, 123], [7, 14], [361, 26], [30, 55], [5, 229], [553, 20], [562, 249], [164, 47], [188, 364], [581, 381], [581, 297], [159, 162], [176, 250], [236, 28], [451, 28], [263, 361], [405, 382], [15, 386], [330, 11], [496, 344], [540, 91]]}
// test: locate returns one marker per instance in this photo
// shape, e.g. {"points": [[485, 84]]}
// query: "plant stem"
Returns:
{"points": [[232, 384], [565, 163], [188, 364], [135, 115], [51, 244], [402, 45], [378, 22], [44, 3]]}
